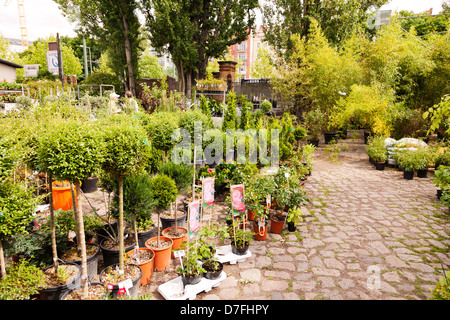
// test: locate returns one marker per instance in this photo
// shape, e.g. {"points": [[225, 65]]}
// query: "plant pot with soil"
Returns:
{"points": [[213, 269], [277, 221], [178, 236], [122, 284], [96, 291], [162, 246], [191, 269], [59, 281], [73, 254], [294, 217], [144, 258], [110, 249]]}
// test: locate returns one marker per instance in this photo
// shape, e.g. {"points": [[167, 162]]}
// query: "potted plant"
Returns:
{"points": [[96, 291], [191, 269], [121, 282], [314, 121], [164, 192], [294, 217], [266, 106], [423, 158], [377, 152], [406, 161], [240, 240], [59, 280], [21, 282], [126, 152], [442, 180], [72, 152]]}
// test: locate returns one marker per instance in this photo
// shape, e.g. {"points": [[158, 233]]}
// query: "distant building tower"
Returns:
{"points": [[227, 72]]}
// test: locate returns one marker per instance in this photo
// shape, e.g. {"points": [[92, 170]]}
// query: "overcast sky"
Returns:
{"points": [[44, 18]]}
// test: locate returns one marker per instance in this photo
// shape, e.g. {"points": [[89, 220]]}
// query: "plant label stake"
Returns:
{"points": [[127, 284], [179, 254], [268, 201], [261, 224]]}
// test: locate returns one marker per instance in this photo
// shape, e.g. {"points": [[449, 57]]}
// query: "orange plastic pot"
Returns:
{"points": [[147, 267], [162, 255], [177, 241], [62, 197], [276, 226], [251, 215]]}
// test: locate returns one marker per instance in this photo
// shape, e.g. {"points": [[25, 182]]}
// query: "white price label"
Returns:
{"points": [[179, 253]]}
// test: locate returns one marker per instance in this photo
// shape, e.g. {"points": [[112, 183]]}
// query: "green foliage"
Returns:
{"points": [[17, 205], [314, 121], [137, 198], [149, 66], [70, 151], [191, 267], [412, 160], [229, 120], [21, 282], [266, 106], [376, 149], [439, 115], [299, 133], [126, 148], [368, 106], [195, 31], [163, 191], [159, 127], [180, 173], [442, 178], [294, 215], [98, 78], [442, 290]]}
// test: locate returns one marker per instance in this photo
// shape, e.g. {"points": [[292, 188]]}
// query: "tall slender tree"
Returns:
{"points": [[115, 25], [193, 31]]}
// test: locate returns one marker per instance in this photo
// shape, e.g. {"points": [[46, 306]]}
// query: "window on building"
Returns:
{"points": [[243, 46]]}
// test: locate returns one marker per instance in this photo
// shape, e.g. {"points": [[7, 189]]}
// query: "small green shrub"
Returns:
{"points": [[21, 282], [266, 106], [181, 173]]}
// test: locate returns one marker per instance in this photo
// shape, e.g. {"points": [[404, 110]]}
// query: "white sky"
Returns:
{"points": [[44, 18]]}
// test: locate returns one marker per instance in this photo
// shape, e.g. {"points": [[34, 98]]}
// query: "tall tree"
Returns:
{"points": [[116, 27], [193, 31], [336, 18]]}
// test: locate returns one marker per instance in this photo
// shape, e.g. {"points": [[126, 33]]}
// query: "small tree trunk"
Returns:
{"points": [[121, 245], [2, 261], [75, 214], [52, 224], [82, 245], [136, 238]]}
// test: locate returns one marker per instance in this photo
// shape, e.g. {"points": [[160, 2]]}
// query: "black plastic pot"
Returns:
{"points": [[408, 175], [111, 256], [92, 262], [191, 280], [56, 293], [170, 222], [145, 235], [330, 136], [239, 251], [102, 233], [439, 193], [380, 165], [213, 275], [366, 137], [134, 290], [314, 142], [89, 185], [90, 284], [291, 226], [422, 173]]}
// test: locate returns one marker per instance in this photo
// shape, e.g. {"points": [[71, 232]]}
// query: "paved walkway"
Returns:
{"points": [[366, 234]]}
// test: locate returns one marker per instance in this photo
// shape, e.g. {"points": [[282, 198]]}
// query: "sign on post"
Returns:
{"points": [[31, 70], [52, 62]]}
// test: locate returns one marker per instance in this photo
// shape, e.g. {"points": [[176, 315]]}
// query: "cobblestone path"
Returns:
{"points": [[366, 235]]}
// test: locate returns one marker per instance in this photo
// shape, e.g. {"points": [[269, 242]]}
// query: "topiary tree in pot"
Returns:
{"points": [[164, 192], [126, 153], [72, 150]]}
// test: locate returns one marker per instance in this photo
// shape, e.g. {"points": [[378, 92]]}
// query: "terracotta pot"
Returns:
{"points": [[147, 267], [162, 255], [177, 241], [276, 226], [251, 215], [260, 234]]}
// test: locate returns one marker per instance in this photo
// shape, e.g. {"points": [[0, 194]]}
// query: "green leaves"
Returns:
{"points": [[71, 150], [164, 191]]}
